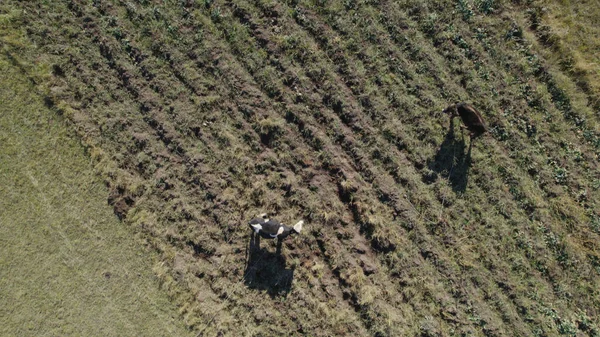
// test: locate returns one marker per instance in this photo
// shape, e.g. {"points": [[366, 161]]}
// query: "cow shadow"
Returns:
{"points": [[452, 162], [267, 270]]}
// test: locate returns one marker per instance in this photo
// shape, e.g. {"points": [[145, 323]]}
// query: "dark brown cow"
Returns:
{"points": [[470, 117]]}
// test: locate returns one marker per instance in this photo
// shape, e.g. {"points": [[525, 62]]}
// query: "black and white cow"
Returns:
{"points": [[271, 229]]}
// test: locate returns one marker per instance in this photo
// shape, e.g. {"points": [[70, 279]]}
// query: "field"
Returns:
{"points": [[68, 266], [199, 115]]}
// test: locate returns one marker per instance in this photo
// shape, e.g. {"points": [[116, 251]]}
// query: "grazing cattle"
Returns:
{"points": [[271, 229], [470, 117]]}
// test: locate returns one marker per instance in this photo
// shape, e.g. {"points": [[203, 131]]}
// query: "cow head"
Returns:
{"points": [[451, 110]]}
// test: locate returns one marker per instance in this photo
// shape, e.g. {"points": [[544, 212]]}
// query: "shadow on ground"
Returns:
{"points": [[452, 162], [266, 270]]}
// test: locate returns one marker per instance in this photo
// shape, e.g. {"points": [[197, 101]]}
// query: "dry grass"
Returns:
{"points": [[572, 32]]}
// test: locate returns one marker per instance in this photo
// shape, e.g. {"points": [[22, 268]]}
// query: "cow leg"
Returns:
{"points": [[470, 141], [469, 151], [257, 242]]}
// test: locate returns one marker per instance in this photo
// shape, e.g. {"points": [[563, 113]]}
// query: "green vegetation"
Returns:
{"points": [[199, 115], [69, 268]]}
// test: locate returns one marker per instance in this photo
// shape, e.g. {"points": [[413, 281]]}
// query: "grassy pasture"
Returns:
{"points": [[570, 30], [68, 266], [201, 114]]}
